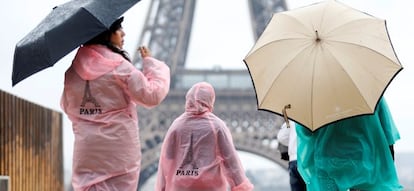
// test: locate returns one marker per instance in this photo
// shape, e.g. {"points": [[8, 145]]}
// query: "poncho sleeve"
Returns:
{"points": [[149, 87], [233, 168], [387, 122]]}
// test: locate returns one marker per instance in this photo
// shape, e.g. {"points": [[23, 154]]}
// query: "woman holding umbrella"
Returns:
{"points": [[101, 91], [351, 153]]}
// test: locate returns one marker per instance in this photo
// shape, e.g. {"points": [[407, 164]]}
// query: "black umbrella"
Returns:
{"points": [[64, 29]]}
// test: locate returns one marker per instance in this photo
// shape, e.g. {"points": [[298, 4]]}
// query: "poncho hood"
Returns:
{"points": [[93, 61], [200, 98]]}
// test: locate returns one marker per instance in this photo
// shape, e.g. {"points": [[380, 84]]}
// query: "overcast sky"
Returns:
{"points": [[222, 35]]}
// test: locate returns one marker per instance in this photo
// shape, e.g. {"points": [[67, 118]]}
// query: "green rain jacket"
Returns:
{"points": [[351, 153]]}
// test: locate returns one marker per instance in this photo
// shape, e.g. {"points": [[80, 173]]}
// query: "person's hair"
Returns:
{"points": [[104, 38]]}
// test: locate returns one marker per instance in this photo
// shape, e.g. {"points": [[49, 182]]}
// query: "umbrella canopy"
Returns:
{"points": [[64, 29], [327, 60]]}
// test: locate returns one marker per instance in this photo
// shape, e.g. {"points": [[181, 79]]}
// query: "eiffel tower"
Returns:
{"points": [[167, 31]]}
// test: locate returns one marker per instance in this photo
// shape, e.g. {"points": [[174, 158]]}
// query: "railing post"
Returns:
{"points": [[5, 183]]}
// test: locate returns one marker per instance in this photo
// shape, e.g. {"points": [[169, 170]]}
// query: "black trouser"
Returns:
{"points": [[296, 181]]}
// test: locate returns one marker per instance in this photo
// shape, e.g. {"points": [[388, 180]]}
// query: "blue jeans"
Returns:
{"points": [[296, 181]]}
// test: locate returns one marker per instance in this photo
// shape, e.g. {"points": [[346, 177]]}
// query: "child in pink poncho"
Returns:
{"points": [[198, 152], [102, 89]]}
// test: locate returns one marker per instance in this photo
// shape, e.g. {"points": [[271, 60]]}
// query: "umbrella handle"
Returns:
{"points": [[285, 115]]}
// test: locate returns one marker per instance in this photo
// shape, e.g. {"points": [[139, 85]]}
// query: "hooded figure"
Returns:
{"points": [[351, 153], [101, 92], [198, 152]]}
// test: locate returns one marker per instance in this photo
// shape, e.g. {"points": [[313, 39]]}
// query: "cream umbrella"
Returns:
{"points": [[327, 60]]}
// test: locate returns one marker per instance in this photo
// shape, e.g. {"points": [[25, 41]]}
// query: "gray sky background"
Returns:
{"points": [[221, 36]]}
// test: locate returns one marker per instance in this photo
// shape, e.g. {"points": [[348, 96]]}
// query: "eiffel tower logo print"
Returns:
{"points": [[188, 162], [88, 98]]}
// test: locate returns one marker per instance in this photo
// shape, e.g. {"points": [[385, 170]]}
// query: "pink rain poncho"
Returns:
{"points": [[100, 96], [198, 152]]}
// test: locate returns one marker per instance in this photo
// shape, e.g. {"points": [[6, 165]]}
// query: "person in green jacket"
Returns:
{"points": [[353, 153]]}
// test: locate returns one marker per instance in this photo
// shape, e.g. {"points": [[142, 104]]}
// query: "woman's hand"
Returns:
{"points": [[144, 51]]}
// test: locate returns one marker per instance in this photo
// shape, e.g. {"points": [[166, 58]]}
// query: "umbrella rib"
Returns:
{"points": [[349, 77], [373, 50]]}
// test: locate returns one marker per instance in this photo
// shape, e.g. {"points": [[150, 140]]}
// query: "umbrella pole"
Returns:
{"points": [[285, 115]]}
